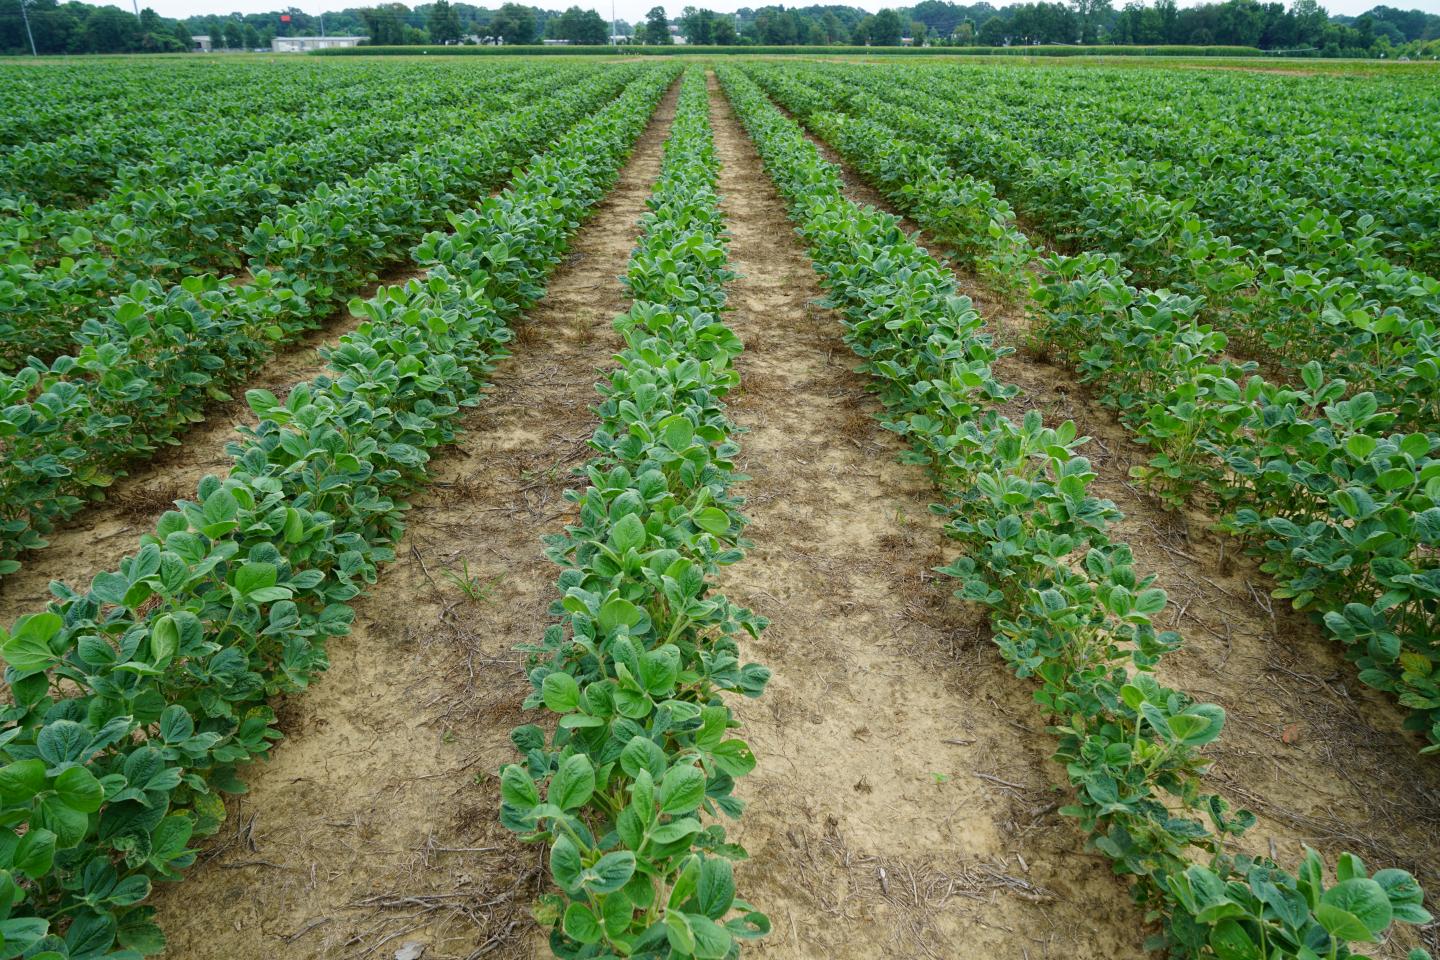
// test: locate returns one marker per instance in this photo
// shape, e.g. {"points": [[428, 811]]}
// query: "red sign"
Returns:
{"points": [[284, 18]]}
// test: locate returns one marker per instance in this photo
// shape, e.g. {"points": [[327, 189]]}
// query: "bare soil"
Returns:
{"points": [[902, 807], [375, 824], [1319, 757]]}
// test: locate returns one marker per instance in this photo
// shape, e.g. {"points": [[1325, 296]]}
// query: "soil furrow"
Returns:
{"points": [[375, 824], [1318, 756], [902, 807]]}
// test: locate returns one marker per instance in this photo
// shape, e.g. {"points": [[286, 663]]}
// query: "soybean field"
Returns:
{"points": [[774, 507]]}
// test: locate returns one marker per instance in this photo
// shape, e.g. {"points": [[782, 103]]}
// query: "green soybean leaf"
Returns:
{"points": [[580, 924], [618, 612], [560, 692], [28, 648], [21, 780], [610, 873], [1341, 924], [682, 790], [573, 783], [716, 891], [1363, 899], [676, 432], [68, 824], [34, 853], [565, 864], [628, 534], [80, 790], [713, 520]]}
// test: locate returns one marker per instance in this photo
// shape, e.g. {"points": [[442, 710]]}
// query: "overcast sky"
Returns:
{"points": [[633, 10]]}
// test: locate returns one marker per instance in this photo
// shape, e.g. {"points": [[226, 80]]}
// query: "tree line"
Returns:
{"points": [[1303, 27]]}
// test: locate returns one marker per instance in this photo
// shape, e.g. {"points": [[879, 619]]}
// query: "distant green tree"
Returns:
{"points": [[657, 27], [443, 22], [580, 27], [722, 31], [385, 24], [993, 32], [698, 26], [111, 30], [886, 29], [513, 23]]}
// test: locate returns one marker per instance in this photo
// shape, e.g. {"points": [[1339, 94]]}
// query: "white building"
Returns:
{"points": [[305, 44], [200, 43]]}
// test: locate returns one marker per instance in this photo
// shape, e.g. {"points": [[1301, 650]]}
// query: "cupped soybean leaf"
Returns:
{"points": [[628, 534], [734, 757], [21, 780], [1230, 941], [79, 789], [678, 932], [565, 864], [675, 830], [676, 432], [516, 787], [580, 924], [618, 612], [616, 912], [1405, 895], [560, 692], [716, 890], [642, 753], [1363, 899], [712, 941], [573, 783], [610, 873], [682, 789], [164, 639], [713, 520]]}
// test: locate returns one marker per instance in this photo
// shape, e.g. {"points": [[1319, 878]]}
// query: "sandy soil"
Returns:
{"points": [[1318, 756], [376, 822], [902, 807]]}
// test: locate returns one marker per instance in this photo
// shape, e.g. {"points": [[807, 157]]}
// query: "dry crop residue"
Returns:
{"points": [[376, 822], [903, 804]]}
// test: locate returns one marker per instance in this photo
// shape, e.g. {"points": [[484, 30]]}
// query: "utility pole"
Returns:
{"points": [[613, 32], [322, 23], [26, 17], [137, 9]]}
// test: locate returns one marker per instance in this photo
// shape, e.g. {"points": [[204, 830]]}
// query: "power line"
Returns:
{"points": [[26, 16]]}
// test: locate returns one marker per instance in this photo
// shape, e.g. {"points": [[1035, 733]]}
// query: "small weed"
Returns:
{"points": [[472, 586]]}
